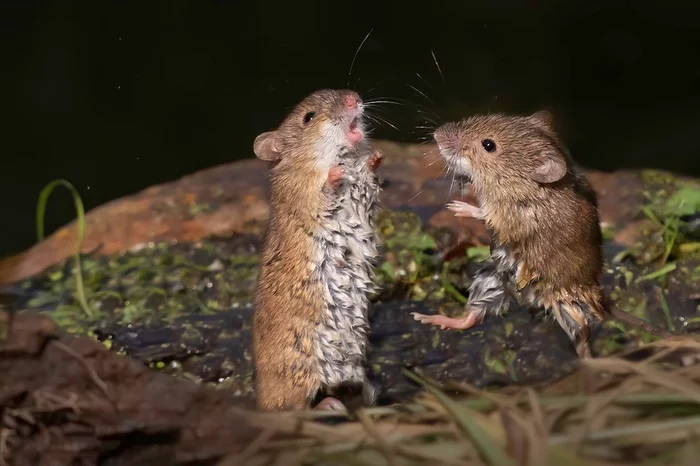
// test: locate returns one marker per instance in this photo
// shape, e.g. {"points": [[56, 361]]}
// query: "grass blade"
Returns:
{"points": [[493, 454], [80, 211]]}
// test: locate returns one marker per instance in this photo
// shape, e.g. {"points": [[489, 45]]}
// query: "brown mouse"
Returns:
{"points": [[546, 241], [310, 328]]}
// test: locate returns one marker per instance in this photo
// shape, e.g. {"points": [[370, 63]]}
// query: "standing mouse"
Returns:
{"points": [[310, 328], [546, 241]]}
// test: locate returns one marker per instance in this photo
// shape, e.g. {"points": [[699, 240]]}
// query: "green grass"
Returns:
{"points": [[44, 196]]}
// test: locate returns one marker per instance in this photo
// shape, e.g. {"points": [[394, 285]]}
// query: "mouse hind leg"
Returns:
{"points": [[577, 321], [487, 294], [274, 391]]}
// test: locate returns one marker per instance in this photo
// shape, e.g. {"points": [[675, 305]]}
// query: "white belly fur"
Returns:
{"points": [[346, 249]]}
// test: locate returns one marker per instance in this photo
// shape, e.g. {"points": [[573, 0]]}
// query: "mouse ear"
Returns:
{"points": [[543, 119], [549, 171], [266, 146]]}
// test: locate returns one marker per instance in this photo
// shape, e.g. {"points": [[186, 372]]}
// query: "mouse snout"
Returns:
{"points": [[351, 101], [445, 136]]}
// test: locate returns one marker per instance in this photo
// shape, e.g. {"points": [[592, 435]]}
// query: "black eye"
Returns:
{"points": [[309, 116], [489, 145]]}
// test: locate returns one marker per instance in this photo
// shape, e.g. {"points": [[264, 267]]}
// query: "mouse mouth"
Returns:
{"points": [[463, 180], [355, 133]]}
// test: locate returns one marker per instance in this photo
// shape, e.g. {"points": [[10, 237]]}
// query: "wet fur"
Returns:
{"points": [[546, 248], [349, 247], [310, 323]]}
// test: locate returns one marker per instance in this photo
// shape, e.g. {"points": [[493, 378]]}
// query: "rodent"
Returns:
{"points": [[310, 327], [546, 240]]}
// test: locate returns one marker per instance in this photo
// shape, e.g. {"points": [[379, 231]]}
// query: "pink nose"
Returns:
{"points": [[350, 101]]}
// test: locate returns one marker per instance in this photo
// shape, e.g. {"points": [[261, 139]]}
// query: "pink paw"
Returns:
{"points": [[464, 209], [330, 404], [445, 322], [375, 160], [335, 176]]}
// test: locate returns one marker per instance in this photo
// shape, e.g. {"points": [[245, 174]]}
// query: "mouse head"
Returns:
{"points": [[324, 124], [499, 150]]}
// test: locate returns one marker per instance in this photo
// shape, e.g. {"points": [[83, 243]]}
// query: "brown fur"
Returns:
{"points": [[543, 216], [287, 299], [553, 229]]}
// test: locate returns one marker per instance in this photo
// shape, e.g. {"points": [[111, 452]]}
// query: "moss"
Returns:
{"points": [[185, 309]]}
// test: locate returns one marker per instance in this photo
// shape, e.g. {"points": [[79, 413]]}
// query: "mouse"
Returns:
{"points": [[310, 324], [542, 216]]}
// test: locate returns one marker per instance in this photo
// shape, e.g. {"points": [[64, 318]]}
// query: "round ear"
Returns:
{"points": [[544, 120], [550, 171], [267, 147]]}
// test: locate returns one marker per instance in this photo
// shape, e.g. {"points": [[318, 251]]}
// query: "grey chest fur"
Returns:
{"points": [[346, 251]]}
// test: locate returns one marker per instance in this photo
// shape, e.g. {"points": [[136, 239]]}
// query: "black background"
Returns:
{"points": [[116, 96]]}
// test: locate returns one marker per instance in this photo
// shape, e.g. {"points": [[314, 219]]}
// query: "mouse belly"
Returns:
{"points": [[348, 247]]}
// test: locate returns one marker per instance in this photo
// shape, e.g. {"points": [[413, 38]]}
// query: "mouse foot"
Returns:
{"points": [[444, 322], [375, 160], [330, 404], [464, 209], [335, 176]]}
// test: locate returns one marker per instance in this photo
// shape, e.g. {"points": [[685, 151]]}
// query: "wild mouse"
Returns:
{"points": [[546, 240], [310, 328]]}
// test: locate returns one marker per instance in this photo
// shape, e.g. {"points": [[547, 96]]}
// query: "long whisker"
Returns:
{"points": [[414, 197], [421, 93], [384, 101], [355, 56], [384, 120], [438, 66], [449, 193], [428, 118], [437, 159]]}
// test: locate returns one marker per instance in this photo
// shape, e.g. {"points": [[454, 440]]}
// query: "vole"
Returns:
{"points": [[310, 327], [546, 240]]}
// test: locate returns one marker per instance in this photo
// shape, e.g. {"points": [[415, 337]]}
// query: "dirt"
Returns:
{"points": [[70, 401]]}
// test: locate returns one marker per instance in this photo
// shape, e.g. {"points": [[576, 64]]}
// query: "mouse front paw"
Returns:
{"points": [[375, 160], [335, 177], [464, 209]]}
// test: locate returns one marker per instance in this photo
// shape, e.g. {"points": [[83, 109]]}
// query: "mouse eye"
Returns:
{"points": [[488, 145], [308, 117]]}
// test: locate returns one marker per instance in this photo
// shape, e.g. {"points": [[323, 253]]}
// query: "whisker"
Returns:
{"points": [[437, 159], [356, 52], [371, 102], [422, 79], [428, 118], [421, 93], [438, 66], [414, 197], [446, 170], [378, 118], [373, 88], [449, 193]]}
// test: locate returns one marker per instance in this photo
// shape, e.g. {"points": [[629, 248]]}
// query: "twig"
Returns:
{"points": [[378, 437], [250, 451]]}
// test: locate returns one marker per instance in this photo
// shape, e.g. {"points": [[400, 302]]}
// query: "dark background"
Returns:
{"points": [[117, 96]]}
